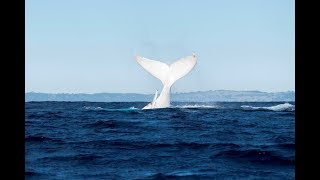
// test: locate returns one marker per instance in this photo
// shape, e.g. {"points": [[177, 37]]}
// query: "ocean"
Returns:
{"points": [[217, 140]]}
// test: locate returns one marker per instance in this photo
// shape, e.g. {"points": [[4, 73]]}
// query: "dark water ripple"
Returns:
{"points": [[85, 140]]}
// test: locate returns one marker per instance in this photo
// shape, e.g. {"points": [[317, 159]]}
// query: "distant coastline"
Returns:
{"points": [[199, 96]]}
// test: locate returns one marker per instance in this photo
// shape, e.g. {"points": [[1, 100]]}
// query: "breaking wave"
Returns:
{"points": [[196, 106], [279, 107], [109, 109]]}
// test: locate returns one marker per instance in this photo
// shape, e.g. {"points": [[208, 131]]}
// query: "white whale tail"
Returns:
{"points": [[154, 99], [167, 74]]}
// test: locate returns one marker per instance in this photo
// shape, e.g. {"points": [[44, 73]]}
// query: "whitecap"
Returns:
{"points": [[197, 106], [279, 107]]}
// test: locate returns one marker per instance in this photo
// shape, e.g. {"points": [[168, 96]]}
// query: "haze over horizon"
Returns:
{"points": [[89, 47]]}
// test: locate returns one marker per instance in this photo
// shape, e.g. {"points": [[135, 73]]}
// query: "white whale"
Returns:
{"points": [[168, 75]]}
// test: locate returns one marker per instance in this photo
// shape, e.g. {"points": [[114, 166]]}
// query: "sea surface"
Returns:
{"points": [[217, 140]]}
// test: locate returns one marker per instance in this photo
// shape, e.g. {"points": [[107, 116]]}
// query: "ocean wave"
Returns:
{"points": [[41, 139], [256, 156], [182, 175], [109, 109], [92, 108], [49, 115], [287, 146], [102, 124], [197, 106], [36, 138], [121, 144], [33, 174], [76, 157], [279, 107]]}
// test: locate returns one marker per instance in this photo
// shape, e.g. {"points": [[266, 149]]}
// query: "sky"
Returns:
{"points": [[80, 46]]}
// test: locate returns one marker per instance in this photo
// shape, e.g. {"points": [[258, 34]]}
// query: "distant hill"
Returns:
{"points": [[200, 96]]}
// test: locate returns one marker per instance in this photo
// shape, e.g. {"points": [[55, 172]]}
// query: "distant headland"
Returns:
{"points": [[199, 96]]}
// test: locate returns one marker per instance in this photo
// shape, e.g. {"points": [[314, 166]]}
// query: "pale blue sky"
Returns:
{"points": [[81, 46]]}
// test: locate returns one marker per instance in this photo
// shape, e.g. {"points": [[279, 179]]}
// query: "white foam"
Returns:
{"points": [[279, 107], [100, 108], [197, 106], [92, 108]]}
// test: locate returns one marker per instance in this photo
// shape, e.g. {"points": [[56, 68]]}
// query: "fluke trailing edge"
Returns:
{"points": [[168, 74]]}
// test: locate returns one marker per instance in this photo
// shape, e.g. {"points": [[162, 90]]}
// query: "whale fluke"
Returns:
{"points": [[154, 99], [168, 75]]}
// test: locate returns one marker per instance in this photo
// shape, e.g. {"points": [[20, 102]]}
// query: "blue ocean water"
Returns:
{"points": [[219, 140]]}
